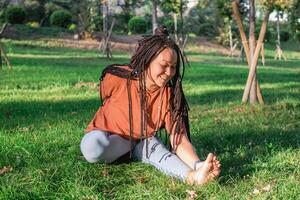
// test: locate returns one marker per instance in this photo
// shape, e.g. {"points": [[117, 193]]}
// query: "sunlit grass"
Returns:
{"points": [[43, 113]]}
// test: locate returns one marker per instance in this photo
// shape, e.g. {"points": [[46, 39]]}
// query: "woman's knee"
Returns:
{"points": [[93, 145]]}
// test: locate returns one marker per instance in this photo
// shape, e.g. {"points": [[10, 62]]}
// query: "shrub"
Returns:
{"points": [[169, 23], [137, 25], [2, 17], [34, 10], [95, 24], [72, 27], [61, 18], [284, 36], [15, 15], [122, 20], [33, 24]]}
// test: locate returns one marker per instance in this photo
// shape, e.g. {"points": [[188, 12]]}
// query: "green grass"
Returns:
{"points": [[43, 115]]}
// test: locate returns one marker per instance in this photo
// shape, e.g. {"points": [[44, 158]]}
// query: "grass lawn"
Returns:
{"points": [[43, 114]]}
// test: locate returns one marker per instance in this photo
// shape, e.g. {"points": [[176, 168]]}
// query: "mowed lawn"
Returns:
{"points": [[44, 111]]}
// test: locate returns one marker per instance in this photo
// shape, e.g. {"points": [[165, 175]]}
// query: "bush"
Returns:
{"points": [[169, 23], [137, 25], [2, 16], [122, 20], [15, 15], [34, 11], [72, 27], [61, 18], [284, 36], [95, 24], [33, 24]]}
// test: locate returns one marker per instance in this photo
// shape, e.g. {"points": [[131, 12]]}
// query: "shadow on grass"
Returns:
{"points": [[205, 74], [237, 148], [230, 95], [238, 151], [63, 63]]}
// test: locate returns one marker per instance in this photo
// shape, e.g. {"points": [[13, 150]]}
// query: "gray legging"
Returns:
{"points": [[102, 146]]}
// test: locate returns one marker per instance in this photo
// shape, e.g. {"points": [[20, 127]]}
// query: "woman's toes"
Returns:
{"points": [[209, 157]]}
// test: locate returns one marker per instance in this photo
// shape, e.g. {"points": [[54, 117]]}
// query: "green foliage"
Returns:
{"points": [[225, 7], [33, 24], [172, 6], [72, 27], [95, 24], [50, 8], [294, 19], [34, 9], [2, 16], [121, 23], [284, 36], [137, 25], [203, 22], [15, 15], [276, 4], [61, 18], [169, 23], [31, 30]]}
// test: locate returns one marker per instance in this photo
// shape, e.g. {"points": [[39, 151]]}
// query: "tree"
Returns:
{"points": [[154, 15], [2, 52], [294, 18], [252, 51]]}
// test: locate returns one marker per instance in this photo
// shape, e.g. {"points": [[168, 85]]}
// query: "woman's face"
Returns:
{"points": [[161, 69]]}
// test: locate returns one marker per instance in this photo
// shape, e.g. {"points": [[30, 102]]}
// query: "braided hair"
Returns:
{"points": [[148, 48]]}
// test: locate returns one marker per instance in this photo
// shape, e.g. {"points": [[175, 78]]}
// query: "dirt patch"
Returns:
{"points": [[118, 42]]}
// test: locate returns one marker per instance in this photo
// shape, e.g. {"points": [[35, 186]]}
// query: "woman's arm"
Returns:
{"points": [[185, 150]]}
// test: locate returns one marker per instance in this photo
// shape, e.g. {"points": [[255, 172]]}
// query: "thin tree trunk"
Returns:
{"points": [[262, 53], [104, 42], [5, 57], [245, 44], [278, 28], [154, 15], [230, 41], [252, 42], [175, 26], [255, 57], [181, 20], [0, 60]]}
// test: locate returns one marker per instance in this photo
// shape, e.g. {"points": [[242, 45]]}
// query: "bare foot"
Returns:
{"points": [[209, 170]]}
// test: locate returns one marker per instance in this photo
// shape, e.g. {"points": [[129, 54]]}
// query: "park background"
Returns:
{"points": [[52, 54]]}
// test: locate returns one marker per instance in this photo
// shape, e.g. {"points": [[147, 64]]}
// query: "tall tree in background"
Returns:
{"points": [[154, 15], [294, 18], [172, 7], [280, 10]]}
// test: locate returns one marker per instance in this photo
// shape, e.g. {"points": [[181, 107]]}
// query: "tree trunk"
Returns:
{"points": [[105, 22], [230, 41], [154, 15], [105, 28], [252, 70], [181, 20], [252, 41], [175, 26], [0, 60], [278, 29]]}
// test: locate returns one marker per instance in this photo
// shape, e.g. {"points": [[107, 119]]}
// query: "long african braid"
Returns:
{"points": [[148, 48]]}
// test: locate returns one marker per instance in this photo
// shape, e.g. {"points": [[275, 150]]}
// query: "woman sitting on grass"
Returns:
{"points": [[139, 99]]}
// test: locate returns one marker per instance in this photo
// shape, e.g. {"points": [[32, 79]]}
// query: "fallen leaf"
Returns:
{"points": [[267, 188], [105, 172], [256, 191], [191, 194], [5, 170]]}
